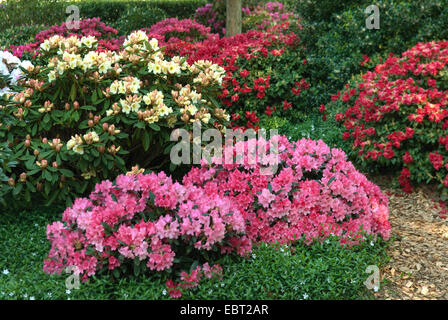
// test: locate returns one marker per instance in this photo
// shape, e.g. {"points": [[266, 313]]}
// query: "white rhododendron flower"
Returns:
{"points": [[11, 71]]}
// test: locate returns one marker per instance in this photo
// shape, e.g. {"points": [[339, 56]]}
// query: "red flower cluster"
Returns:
{"points": [[397, 115], [234, 53], [172, 30]]}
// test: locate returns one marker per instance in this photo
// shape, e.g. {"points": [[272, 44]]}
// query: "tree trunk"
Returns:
{"points": [[233, 14]]}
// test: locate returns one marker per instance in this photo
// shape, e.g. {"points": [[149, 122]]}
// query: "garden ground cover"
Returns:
{"points": [[315, 272], [418, 267]]}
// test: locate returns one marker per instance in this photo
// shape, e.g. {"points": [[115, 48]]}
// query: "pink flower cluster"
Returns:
{"points": [[315, 192], [87, 27], [140, 217], [172, 30], [275, 11], [191, 280], [151, 220]]}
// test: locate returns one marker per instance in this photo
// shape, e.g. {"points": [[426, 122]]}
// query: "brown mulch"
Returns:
{"points": [[418, 268]]}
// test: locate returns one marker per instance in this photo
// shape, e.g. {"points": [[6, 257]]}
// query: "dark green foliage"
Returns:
{"points": [[112, 11], [321, 271], [337, 39], [18, 35], [134, 18], [31, 12]]}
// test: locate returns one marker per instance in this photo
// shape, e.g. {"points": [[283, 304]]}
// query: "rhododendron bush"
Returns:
{"points": [[313, 193], [173, 29], [87, 27], [396, 116], [266, 72], [143, 223], [254, 15], [11, 72], [87, 115]]}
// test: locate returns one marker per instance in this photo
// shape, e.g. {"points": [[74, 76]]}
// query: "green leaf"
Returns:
{"points": [[145, 140], [67, 173], [73, 92], [154, 126]]}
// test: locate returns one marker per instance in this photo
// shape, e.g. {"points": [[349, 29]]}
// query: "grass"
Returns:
{"points": [[321, 271]]}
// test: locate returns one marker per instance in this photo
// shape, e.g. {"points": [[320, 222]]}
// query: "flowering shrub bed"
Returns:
{"points": [[173, 30], [266, 15], [314, 193], [87, 27], [396, 116], [254, 15], [10, 71], [87, 115], [144, 223], [265, 71]]}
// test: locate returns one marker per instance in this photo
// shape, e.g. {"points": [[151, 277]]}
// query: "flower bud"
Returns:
{"points": [[185, 117], [11, 182], [27, 143], [90, 123], [76, 105], [36, 152], [44, 140], [55, 164], [44, 163], [67, 106], [105, 126], [111, 130], [22, 177]]}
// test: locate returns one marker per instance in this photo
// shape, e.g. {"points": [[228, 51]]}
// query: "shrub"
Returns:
{"points": [[337, 41], [5, 165], [267, 273], [144, 223], [213, 15], [18, 35], [87, 27], [396, 116], [87, 115], [173, 30], [265, 72], [10, 71], [31, 12], [314, 192], [266, 15], [255, 15], [135, 18], [115, 10]]}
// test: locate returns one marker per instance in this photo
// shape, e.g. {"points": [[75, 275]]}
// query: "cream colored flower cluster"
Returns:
{"points": [[138, 52], [207, 72], [129, 85], [70, 55], [76, 143]]}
